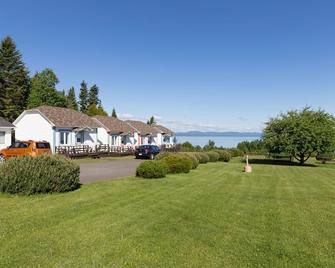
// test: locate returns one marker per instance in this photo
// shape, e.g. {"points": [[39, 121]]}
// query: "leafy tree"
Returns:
{"points": [[83, 97], [14, 81], [114, 113], [71, 99], [187, 147], [44, 92], [93, 96], [256, 146], [94, 110], [209, 146], [301, 133], [152, 121]]}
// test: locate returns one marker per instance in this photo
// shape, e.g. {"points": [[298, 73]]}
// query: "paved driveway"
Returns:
{"points": [[114, 169]]}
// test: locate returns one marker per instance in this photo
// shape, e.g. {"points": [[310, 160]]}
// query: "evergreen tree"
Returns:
{"points": [[71, 99], [114, 113], [83, 97], [93, 96], [151, 121], [44, 92], [14, 81]]}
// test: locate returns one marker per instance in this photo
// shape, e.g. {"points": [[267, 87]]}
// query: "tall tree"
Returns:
{"points": [[93, 96], [94, 110], [301, 134], [114, 113], [72, 100], [83, 97], [14, 80], [44, 92], [151, 121]]}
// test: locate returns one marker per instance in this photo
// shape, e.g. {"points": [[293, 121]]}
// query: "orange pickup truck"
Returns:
{"points": [[25, 148]]}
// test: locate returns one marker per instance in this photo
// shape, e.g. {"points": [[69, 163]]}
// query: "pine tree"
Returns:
{"points": [[151, 121], [83, 97], [14, 80], [93, 96], [44, 92], [114, 113], [71, 99]]}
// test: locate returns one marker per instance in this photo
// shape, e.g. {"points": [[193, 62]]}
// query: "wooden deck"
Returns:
{"points": [[96, 151]]}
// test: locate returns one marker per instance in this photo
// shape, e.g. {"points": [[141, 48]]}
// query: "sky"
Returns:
{"points": [[196, 65]]}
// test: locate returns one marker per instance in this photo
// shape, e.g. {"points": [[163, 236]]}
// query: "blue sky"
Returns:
{"points": [[197, 65]]}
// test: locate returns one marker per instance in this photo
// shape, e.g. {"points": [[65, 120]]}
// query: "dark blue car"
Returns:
{"points": [[147, 151]]}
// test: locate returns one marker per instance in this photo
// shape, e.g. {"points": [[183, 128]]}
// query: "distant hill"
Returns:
{"points": [[218, 134]]}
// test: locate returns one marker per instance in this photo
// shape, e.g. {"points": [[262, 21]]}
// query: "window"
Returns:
{"points": [[64, 137], [20, 145], [42, 145], [2, 137], [114, 140], [124, 140], [166, 139], [80, 137]]}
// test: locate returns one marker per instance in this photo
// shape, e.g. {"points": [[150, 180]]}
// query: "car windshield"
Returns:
{"points": [[20, 145]]}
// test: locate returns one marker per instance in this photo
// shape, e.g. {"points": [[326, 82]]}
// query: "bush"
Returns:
{"points": [[178, 163], [193, 158], [40, 174], [224, 155], [204, 158], [235, 152], [152, 169], [162, 155], [213, 156]]}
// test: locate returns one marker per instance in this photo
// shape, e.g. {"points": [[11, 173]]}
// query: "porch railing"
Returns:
{"points": [[93, 151]]}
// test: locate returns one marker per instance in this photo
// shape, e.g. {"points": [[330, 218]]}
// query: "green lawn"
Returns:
{"points": [[216, 216]]}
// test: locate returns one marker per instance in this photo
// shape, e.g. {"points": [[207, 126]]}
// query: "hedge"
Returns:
{"points": [[213, 156], [152, 169], [41, 174], [178, 163], [224, 155]]}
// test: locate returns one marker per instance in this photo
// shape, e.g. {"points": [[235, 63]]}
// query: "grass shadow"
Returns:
{"points": [[277, 162]]}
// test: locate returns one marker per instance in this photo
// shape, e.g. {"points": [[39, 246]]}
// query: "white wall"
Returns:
{"points": [[33, 126], [8, 137], [103, 136]]}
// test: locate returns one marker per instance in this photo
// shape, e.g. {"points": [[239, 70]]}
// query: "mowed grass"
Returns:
{"points": [[216, 216]]}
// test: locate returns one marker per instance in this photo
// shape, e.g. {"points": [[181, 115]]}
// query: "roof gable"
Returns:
{"points": [[5, 124], [65, 118], [114, 125]]}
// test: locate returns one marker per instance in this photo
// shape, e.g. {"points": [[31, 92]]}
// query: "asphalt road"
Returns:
{"points": [[92, 172]]}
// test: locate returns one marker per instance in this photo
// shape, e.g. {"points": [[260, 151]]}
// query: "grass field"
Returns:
{"points": [[216, 216]]}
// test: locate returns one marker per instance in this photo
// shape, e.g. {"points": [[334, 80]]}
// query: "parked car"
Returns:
{"points": [[25, 148], [147, 151]]}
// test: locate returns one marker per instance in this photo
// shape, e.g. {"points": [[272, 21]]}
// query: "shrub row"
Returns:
{"points": [[41, 174], [167, 162]]}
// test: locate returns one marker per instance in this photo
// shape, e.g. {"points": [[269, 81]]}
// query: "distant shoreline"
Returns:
{"points": [[218, 134]]}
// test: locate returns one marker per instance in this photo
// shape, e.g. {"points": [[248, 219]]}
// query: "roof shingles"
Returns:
{"points": [[66, 118], [114, 125], [4, 123]]}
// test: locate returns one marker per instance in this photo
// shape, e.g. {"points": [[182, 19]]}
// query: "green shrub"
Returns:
{"points": [[40, 174], [204, 158], [178, 163], [192, 157], [235, 152], [162, 155], [197, 156], [224, 155], [213, 156], [152, 169]]}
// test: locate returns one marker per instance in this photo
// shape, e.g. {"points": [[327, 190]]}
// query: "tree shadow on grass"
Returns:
{"points": [[276, 162]]}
